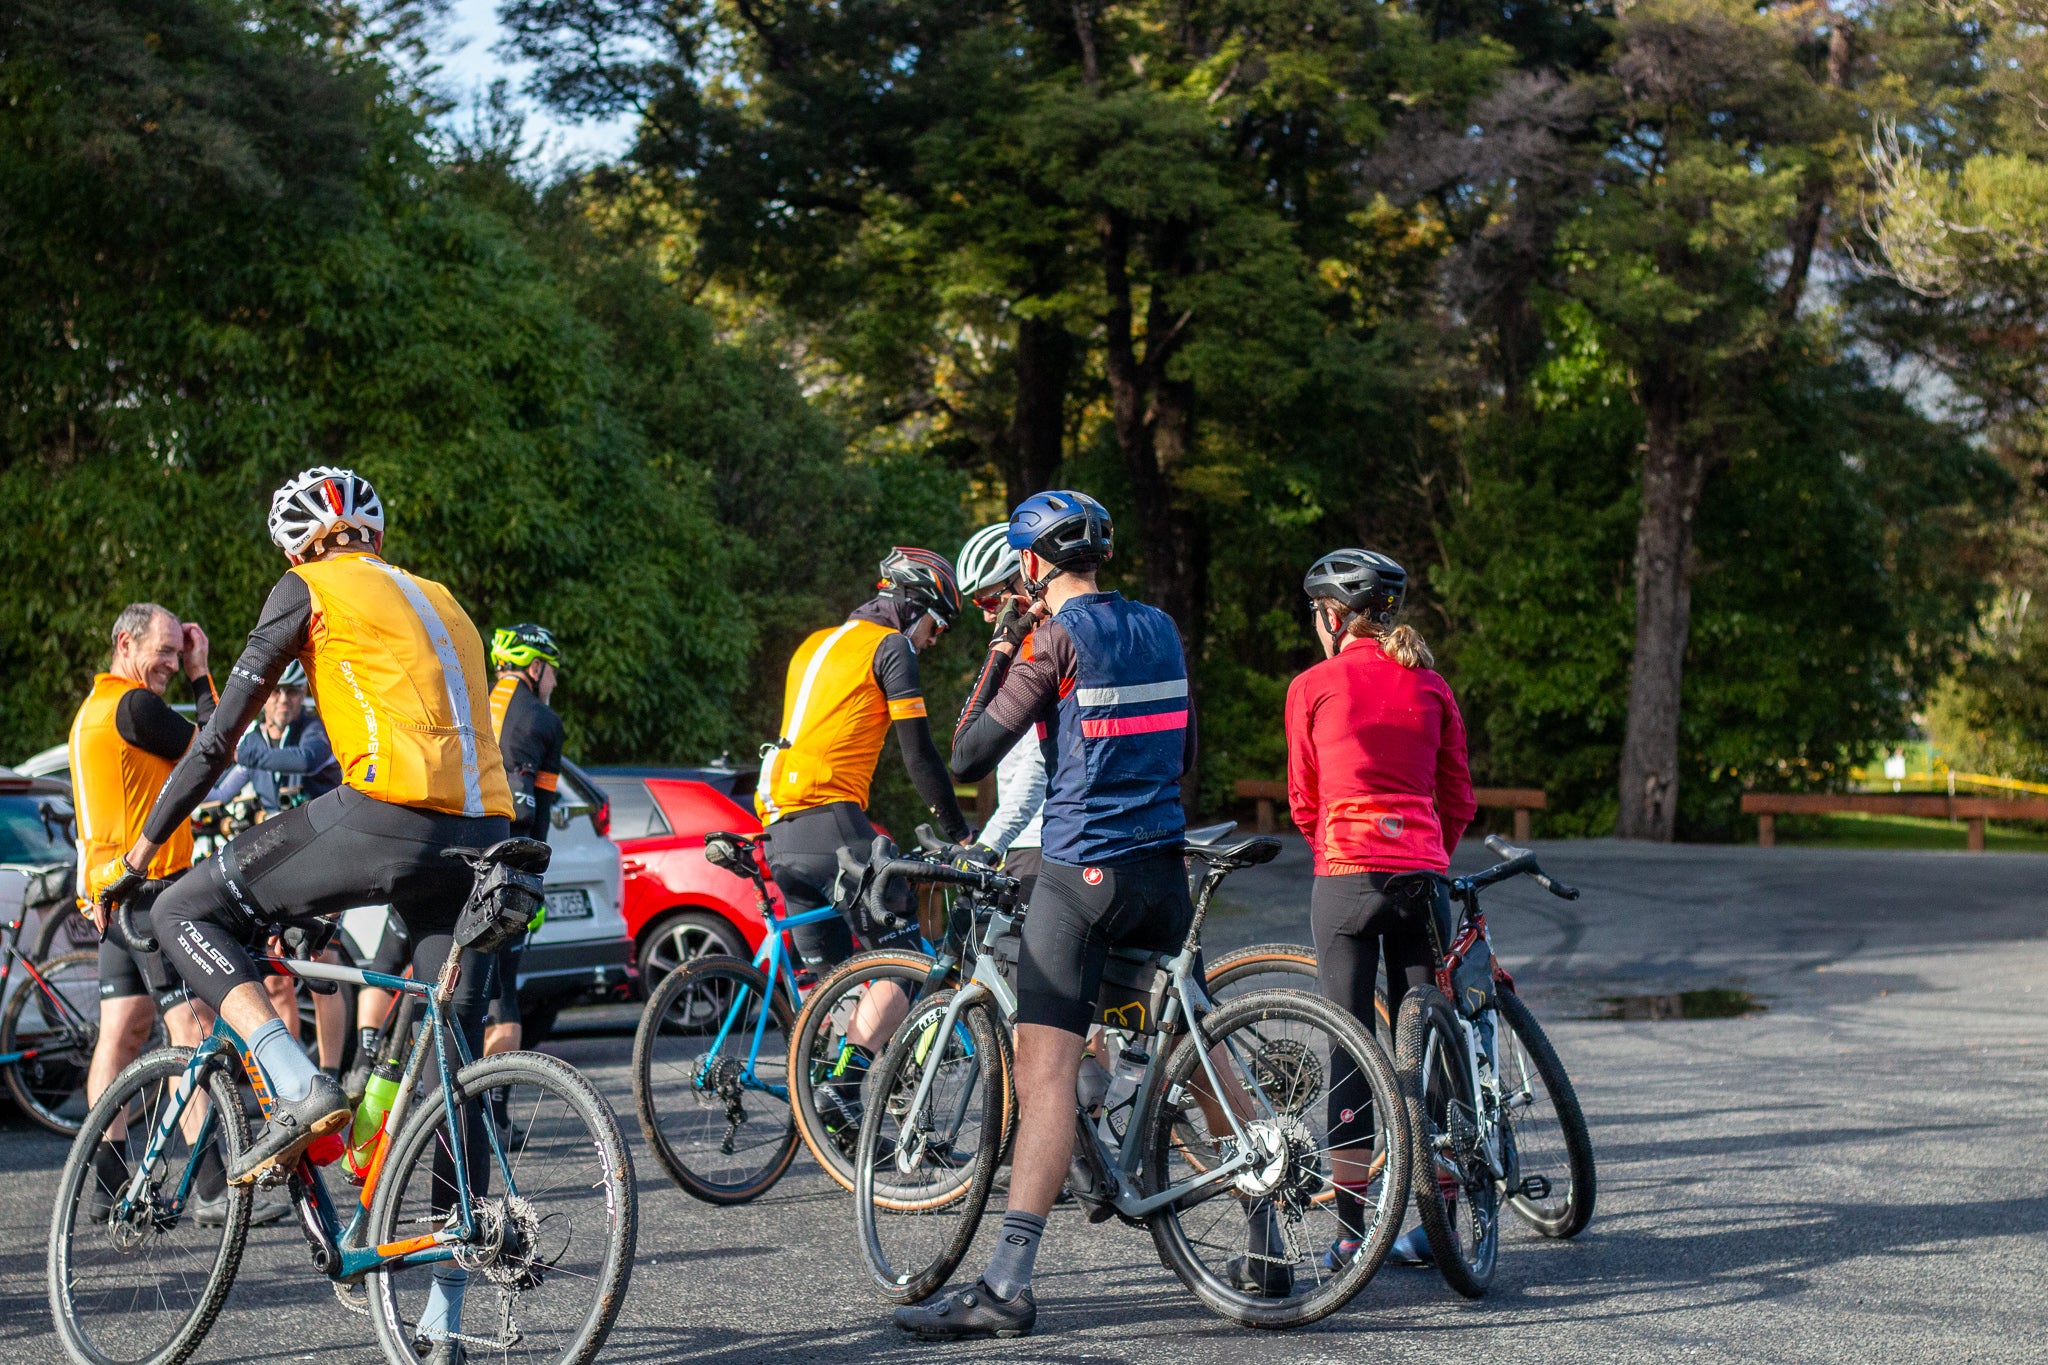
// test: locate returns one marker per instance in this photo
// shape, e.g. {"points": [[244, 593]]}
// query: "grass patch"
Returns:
{"points": [[1906, 831]]}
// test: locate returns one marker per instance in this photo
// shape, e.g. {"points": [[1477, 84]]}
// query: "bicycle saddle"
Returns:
{"points": [[523, 855], [733, 852], [1212, 844]]}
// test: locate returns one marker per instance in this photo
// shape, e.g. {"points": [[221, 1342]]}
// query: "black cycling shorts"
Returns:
{"points": [[504, 1006], [1355, 923], [394, 949], [803, 858], [1078, 914], [125, 974], [1024, 864], [339, 850]]}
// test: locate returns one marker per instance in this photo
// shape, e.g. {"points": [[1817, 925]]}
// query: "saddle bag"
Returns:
{"points": [[504, 900]]}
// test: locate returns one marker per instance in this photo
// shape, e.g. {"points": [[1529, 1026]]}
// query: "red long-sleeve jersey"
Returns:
{"points": [[1376, 769]]}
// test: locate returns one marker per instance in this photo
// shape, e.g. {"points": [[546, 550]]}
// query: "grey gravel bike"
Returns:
{"points": [[1230, 1113]]}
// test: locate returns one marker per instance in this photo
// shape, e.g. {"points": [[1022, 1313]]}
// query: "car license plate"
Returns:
{"points": [[568, 904]]}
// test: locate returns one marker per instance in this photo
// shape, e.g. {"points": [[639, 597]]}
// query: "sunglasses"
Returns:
{"points": [[990, 601]]}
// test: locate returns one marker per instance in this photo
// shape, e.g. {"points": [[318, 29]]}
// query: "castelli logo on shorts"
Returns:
{"points": [[1347, 1116], [1092, 875], [1390, 826]]}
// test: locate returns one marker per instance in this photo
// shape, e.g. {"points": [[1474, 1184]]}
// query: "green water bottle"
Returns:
{"points": [[378, 1094]]}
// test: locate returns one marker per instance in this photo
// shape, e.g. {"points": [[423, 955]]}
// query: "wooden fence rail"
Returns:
{"points": [[1521, 800], [1972, 810]]}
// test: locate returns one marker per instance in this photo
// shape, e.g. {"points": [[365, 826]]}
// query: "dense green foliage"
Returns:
{"points": [[1267, 276]]}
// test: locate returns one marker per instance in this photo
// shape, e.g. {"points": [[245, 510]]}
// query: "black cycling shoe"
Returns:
{"points": [[109, 1177], [292, 1127], [266, 1207], [973, 1312], [838, 1104], [1265, 1269], [439, 1351]]}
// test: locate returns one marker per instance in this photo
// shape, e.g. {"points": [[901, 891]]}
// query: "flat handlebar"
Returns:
{"points": [[1519, 861]]}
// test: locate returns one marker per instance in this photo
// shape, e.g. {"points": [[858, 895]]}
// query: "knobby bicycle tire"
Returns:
{"points": [[1571, 1121], [1245, 1015], [651, 1091], [908, 969], [964, 1200], [77, 1331], [1425, 1013], [421, 1135], [53, 1071]]}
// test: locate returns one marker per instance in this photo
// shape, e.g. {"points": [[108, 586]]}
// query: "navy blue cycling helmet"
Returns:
{"points": [[1062, 527]]}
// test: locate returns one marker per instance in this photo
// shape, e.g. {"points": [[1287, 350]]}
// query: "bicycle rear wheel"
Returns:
{"points": [[50, 1086], [1549, 1128], [1293, 1058], [713, 1106], [1456, 1199], [556, 1217], [923, 1171], [1280, 967], [821, 1053], [144, 1289]]}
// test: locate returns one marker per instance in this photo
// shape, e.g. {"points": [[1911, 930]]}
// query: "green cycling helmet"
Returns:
{"points": [[523, 645]]}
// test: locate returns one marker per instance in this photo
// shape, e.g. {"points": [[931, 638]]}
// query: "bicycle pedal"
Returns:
{"points": [[1534, 1187]]}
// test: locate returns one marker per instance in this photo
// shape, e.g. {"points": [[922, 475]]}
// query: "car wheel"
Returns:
{"points": [[677, 939]]}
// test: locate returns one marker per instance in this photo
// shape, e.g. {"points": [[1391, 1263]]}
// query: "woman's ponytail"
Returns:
{"points": [[1403, 644]]}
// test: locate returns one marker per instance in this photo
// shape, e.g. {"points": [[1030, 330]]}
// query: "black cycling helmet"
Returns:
{"points": [[524, 645], [1359, 581], [922, 580], [1062, 527]]}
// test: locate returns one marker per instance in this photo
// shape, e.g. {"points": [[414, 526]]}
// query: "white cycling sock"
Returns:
{"points": [[1009, 1270], [286, 1066], [442, 1315]]}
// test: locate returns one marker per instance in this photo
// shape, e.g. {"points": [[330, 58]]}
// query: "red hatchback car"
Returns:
{"points": [[678, 906]]}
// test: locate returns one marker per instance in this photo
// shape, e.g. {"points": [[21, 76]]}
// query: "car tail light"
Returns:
{"points": [[602, 816]]}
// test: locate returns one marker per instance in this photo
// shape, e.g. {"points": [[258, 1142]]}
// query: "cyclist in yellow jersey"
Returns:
{"points": [[848, 686], [530, 738], [398, 671]]}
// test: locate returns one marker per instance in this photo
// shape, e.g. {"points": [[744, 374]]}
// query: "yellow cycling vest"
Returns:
{"points": [[834, 720], [113, 786], [397, 669]]}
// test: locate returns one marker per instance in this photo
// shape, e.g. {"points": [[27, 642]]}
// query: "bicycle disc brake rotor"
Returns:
{"points": [[1289, 1073], [512, 1244], [1283, 1160]]}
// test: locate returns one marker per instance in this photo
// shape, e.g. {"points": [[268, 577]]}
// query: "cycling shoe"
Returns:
{"points": [[1341, 1253], [266, 1207], [292, 1127], [439, 1351], [1265, 1269], [840, 1110], [1411, 1248], [973, 1312], [109, 1177]]}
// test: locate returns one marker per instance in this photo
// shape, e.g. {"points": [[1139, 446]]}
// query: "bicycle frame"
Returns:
{"points": [[988, 983], [69, 1014], [318, 1215], [773, 959]]}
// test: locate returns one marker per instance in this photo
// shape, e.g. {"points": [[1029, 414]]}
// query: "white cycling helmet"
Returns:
{"points": [[321, 501], [987, 560]]}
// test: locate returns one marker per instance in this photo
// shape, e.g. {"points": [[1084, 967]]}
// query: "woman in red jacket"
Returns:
{"points": [[1377, 779]]}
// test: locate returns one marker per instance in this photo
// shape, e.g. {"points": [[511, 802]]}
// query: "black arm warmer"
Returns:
{"points": [[147, 721], [928, 774], [279, 637]]}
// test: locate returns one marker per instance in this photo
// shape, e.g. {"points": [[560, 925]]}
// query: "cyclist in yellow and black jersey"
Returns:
{"points": [[848, 686], [530, 737]]}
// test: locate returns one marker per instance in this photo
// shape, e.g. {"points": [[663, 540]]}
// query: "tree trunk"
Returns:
{"points": [[1038, 424], [1673, 474]]}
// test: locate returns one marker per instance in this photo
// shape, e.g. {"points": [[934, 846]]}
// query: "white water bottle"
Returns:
{"points": [[1123, 1088], [1091, 1084]]}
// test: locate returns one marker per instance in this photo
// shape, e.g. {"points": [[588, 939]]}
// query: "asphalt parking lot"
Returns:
{"points": [[1853, 1174]]}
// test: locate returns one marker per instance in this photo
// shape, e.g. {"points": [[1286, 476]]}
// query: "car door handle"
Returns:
{"points": [[632, 865]]}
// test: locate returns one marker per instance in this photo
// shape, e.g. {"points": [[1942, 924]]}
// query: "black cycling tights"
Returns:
{"points": [[1352, 918], [340, 850]]}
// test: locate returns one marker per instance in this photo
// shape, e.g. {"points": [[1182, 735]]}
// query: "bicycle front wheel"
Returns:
{"points": [[711, 1080], [1281, 967], [142, 1286], [1320, 1107], [1552, 1147], [57, 1019], [556, 1215], [923, 1168], [822, 1052], [1457, 1199]]}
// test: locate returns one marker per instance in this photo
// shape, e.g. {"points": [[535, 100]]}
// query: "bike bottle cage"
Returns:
{"points": [[507, 895]]}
